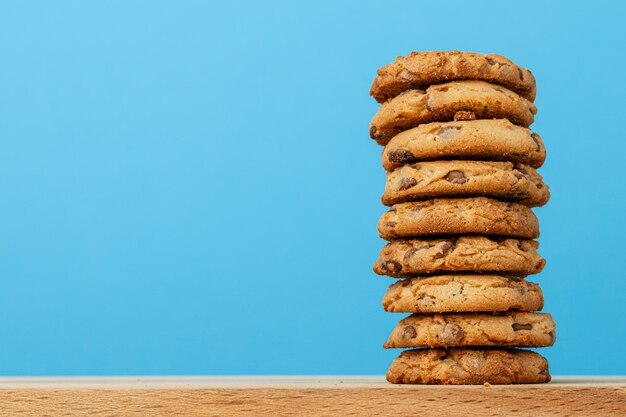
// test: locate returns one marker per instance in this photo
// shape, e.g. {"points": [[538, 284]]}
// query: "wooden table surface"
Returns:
{"points": [[304, 396]]}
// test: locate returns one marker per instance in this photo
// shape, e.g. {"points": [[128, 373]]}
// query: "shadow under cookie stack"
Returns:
{"points": [[461, 182]]}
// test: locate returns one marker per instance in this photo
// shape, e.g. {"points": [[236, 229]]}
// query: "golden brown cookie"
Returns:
{"points": [[462, 293], [457, 100], [458, 216], [460, 366], [482, 140], [418, 70], [521, 329], [409, 258], [499, 180]]}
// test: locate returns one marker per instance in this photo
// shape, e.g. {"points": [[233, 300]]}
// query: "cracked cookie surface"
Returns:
{"points": [[469, 366], [499, 180], [483, 140], [457, 100], [462, 293], [521, 329], [410, 257], [418, 70], [458, 216]]}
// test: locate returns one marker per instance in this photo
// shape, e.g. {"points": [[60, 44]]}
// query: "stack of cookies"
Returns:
{"points": [[461, 181]]}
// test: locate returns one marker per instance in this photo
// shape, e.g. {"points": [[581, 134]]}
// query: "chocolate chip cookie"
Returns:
{"points": [[458, 216], [500, 180], [462, 293], [457, 100], [408, 258], [483, 140], [522, 329], [469, 366], [418, 70]]}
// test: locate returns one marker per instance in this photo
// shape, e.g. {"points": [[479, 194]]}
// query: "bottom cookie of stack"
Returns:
{"points": [[471, 366]]}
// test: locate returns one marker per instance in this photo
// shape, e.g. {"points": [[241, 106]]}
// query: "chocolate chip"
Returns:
{"points": [[451, 334], [406, 183], [391, 224], [539, 185], [544, 372], [409, 254], [540, 264], [391, 266], [521, 74], [537, 140], [522, 326], [373, 132], [552, 336], [464, 115], [456, 177], [524, 245], [520, 173], [401, 156], [408, 332], [425, 301], [447, 132], [445, 248], [491, 61]]}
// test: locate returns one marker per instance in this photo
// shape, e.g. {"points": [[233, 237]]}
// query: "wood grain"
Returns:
{"points": [[304, 396]]}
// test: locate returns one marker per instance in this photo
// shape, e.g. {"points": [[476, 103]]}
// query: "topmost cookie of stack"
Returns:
{"points": [[419, 70]]}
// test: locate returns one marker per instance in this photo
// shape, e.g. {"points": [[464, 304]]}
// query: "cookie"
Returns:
{"points": [[462, 293], [469, 366], [418, 70], [458, 100], [458, 216], [521, 329], [482, 140], [500, 180], [408, 258]]}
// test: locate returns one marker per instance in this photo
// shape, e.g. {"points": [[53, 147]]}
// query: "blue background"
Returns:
{"points": [[189, 187]]}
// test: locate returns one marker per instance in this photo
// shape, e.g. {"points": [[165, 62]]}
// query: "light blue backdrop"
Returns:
{"points": [[189, 187]]}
